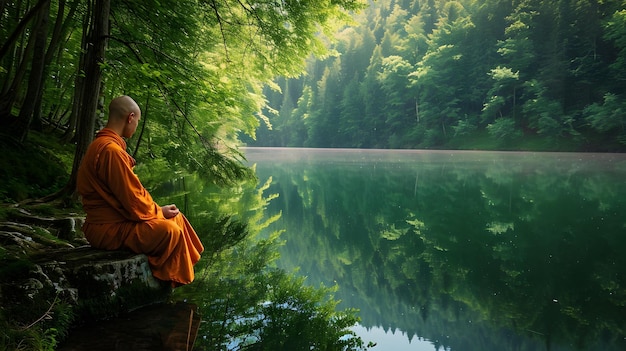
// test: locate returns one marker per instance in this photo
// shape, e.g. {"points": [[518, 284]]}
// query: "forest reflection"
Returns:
{"points": [[246, 302], [469, 250]]}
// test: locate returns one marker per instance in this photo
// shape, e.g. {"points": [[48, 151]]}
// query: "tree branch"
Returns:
{"points": [[20, 27]]}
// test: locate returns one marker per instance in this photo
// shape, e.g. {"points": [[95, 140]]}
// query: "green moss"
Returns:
{"points": [[48, 237], [56, 208], [4, 211]]}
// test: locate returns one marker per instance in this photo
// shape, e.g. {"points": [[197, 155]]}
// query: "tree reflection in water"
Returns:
{"points": [[246, 302], [470, 250]]}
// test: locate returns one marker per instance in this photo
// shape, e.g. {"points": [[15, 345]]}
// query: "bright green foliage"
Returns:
{"points": [[538, 63], [616, 32], [608, 117], [503, 128], [399, 106], [322, 125], [505, 81], [544, 114], [197, 70]]}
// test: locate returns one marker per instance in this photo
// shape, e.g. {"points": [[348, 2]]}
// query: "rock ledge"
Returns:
{"points": [[47, 261]]}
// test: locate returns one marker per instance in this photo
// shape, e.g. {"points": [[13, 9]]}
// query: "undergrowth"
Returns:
{"points": [[34, 169], [42, 334], [31, 170]]}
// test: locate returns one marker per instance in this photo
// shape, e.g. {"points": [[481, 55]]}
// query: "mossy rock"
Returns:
{"points": [[49, 284]]}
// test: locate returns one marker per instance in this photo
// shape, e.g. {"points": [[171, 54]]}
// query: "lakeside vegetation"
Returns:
{"points": [[197, 69], [244, 300]]}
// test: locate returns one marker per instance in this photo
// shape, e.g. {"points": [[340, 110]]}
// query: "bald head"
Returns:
{"points": [[122, 106], [124, 115]]}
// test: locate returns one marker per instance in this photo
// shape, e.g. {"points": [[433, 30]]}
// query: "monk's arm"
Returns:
{"points": [[137, 204]]}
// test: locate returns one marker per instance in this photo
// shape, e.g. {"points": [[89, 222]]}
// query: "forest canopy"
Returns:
{"points": [[196, 68], [494, 74]]}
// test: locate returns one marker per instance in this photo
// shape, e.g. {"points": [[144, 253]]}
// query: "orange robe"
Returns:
{"points": [[121, 214]]}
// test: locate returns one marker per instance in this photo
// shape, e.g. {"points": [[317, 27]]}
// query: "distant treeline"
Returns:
{"points": [[439, 73]]}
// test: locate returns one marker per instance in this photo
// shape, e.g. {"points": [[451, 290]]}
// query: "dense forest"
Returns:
{"points": [[196, 68], [495, 74], [209, 74]]}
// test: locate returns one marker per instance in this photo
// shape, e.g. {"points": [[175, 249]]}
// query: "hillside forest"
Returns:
{"points": [[488, 74]]}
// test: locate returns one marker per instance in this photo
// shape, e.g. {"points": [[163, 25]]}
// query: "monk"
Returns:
{"points": [[121, 214]]}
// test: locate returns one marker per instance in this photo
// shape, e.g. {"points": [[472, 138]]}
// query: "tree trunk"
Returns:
{"points": [[69, 134], [22, 26], [88, 101], [59, 34], [15, 65], [9, 63], [36, 123], [76, 108], [144, 117], [10, 93], [35, 80]]}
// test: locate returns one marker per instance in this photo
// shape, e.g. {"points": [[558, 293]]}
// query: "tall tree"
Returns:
{"points": [[16, 65], [87, 102], [322, 126], [35, 78], [374, 103], [399, 107]]}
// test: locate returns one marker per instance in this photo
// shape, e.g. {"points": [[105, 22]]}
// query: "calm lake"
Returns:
{"points": [[459, 250]]}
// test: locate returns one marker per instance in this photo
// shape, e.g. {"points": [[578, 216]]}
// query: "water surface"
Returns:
{"points": [[459, 250]]}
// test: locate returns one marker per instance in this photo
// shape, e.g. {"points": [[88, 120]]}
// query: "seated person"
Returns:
{"points": [[121, 214]]}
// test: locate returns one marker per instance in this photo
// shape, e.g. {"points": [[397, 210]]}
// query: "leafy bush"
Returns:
{"points": [[504, 129]]}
